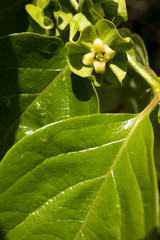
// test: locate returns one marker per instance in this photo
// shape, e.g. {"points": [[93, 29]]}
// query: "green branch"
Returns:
{"points": [[150, 78], [151, 106]]}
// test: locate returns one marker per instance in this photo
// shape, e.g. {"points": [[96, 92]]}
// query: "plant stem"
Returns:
{"points": [[150, 107], [150, 78]]}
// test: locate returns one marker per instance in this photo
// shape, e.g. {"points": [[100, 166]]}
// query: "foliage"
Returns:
{"points": [[79, 123]]}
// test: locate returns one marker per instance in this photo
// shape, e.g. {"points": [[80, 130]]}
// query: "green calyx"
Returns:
{"points": [[97, 52]]}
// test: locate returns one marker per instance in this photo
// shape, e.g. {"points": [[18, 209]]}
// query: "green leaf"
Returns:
{"points": [[137, 92], [91, 13], [90, 177], [113, 10], [156, 128], [65, 17], [67, 96], [48, 17], [37, 14], [139, 52], [78, 23], [71, 5], [109, 34], [87, 8], [38, 95], [76, 65], [116, 70], [85, 41], [29, 62]]}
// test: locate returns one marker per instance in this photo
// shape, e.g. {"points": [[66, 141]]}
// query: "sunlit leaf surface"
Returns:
{"points": [[89, 177]]}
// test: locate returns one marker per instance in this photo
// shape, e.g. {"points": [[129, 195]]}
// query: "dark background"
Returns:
{"points": [[144, 19]]}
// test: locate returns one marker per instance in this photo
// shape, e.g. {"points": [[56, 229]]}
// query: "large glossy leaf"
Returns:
{"points": [[37, 88], [67, 96], [90, 177], [156, 128], [28, 63], [137, 89]]}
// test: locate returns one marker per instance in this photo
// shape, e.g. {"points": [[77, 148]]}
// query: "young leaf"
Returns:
{"points": [[90, 177], [44, 13], [78, 23], [87, 8], [38, 15], [92, 10], [113, 10]]}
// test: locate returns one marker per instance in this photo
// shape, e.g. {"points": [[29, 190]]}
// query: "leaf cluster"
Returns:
{"points": [[79, 150]]}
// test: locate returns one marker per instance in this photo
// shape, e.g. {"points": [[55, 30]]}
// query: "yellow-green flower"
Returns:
{"points": [[99, 56], [100, 52]]}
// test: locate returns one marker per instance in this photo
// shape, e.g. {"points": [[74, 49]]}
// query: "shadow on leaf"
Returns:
{"points": [[9, 97], [82, 87]]}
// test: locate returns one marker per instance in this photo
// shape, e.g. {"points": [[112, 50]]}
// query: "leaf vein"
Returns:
{"points": [[30, 68], [55, 196], [59, 155], [139, 118]]}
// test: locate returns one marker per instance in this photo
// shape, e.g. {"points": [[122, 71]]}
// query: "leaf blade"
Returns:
{"points": [[37, 88], [79, 175]]}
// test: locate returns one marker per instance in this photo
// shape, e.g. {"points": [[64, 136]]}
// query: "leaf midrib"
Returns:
{"points": [[74, 152], [61, 154], [140, 117], [29, 68]]}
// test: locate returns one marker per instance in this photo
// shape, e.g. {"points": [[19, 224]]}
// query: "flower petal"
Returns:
{"points": [[88, 59], [98, 46], [99, 66], [109, 53]]}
